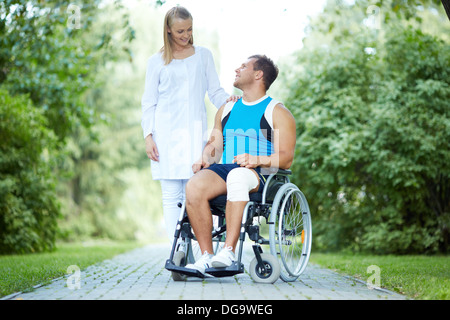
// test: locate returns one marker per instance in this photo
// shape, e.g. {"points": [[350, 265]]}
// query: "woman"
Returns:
{"points": [[173, 109]]}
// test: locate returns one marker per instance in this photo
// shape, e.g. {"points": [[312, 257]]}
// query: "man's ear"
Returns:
{"points": [[259, 75]]}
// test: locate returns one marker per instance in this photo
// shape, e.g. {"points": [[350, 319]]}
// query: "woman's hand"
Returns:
{"points": [[151, 149], [233, 98]]}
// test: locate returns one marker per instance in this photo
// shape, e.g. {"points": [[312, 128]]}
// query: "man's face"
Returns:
{"points": [[245, 74]]}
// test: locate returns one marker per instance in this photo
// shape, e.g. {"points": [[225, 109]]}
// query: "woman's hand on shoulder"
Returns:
{"points": [[233, 98]]}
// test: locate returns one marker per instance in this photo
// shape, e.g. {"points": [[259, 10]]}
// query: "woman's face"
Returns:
{"points": [[181, 31]]}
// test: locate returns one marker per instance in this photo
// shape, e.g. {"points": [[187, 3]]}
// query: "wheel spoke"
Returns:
{"points": [[291, 232]]}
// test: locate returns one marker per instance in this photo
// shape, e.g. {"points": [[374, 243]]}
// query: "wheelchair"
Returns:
{"points": [[286, 212]]}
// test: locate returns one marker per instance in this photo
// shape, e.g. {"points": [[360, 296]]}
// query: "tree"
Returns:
{"points": [[373, 123], [27, 204], [49, 60]]}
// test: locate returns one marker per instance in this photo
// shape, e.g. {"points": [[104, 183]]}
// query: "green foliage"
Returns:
{"points": [[373, 152], [27, 204], [42, 57], [110, 193], [51, 53]]}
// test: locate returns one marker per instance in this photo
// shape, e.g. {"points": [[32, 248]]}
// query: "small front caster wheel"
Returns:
{"points": [[179, 259], [272, 269]]}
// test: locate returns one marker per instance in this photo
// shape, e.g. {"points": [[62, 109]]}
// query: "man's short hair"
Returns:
{"points": [[269, 69]]}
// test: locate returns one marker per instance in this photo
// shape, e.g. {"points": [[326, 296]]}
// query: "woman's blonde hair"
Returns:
{"points": [[177, 12]]}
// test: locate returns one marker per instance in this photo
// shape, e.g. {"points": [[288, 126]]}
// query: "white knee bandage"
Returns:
{"points": [[239, 183]]}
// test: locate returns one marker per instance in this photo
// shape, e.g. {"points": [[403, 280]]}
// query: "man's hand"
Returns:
{"points": [[246, 160], [151, 149]]}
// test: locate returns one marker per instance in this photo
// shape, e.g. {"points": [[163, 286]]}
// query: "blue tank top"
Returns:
{"points": [[247, 128]]}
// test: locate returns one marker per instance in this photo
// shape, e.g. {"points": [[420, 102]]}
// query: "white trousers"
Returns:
{"points": [[173, 192]]}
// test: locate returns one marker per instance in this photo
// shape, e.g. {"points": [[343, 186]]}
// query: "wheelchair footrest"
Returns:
{"points": [[186, 271], [235, 268]]}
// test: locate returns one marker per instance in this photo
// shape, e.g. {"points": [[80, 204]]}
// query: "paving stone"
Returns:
{"points": [[140, 275]]}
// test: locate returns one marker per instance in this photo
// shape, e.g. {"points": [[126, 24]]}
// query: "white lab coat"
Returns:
{"points": [[174, 111]]}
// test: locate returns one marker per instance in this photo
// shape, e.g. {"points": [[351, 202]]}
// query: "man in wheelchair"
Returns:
{"points": [[251, 138]]}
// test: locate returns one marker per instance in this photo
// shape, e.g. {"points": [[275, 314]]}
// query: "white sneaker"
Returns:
{"points": [[224, 258], [201, 264]]}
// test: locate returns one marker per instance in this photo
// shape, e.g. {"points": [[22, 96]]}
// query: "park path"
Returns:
{"points": [[140, 275]]}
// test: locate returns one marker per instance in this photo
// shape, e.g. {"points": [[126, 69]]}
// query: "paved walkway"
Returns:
{"points": [[140, 275]]}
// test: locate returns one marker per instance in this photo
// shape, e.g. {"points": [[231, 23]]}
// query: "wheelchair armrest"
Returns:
{"points": [[276, 172], [283, 172], [274, 181]]}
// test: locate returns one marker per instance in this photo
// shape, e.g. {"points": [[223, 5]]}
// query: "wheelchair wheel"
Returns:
{"points": [[290, 231], [179, 259], [272, 272]]}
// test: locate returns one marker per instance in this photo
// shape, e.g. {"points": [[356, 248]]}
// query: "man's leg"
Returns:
{"points": [[240, 182], [202, 187], [233, 215]]}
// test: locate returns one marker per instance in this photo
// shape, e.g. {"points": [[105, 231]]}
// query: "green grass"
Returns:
{"points": [[20, 273], [417, 277]]}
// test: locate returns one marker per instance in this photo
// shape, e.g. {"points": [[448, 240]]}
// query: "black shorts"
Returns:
{"points": [[223, 169]]}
